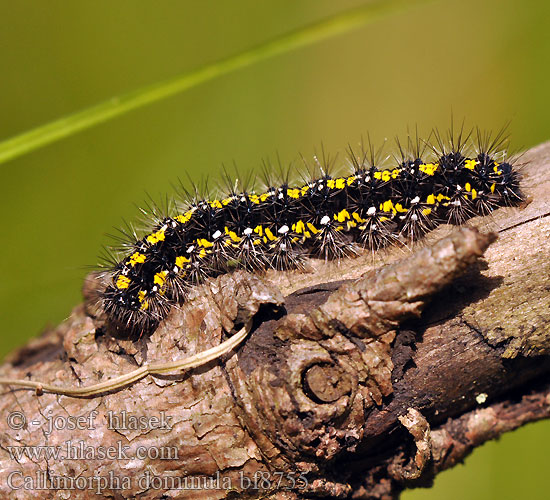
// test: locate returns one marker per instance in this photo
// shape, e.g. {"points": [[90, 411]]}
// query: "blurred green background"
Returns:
{"points": [[486, 61]]}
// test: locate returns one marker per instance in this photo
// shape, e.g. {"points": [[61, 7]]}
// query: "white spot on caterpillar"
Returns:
{"points": [[325, 220], [371, 211], [414, 217], [481, 398], [248, 231], [217, 234], [191, 248], [416, 199], [283, 229]]}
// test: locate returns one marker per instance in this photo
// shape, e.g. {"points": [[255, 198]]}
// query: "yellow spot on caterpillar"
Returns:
{"points": [[468, 187], [185, 217], [340, 183], [136, 258], [430, 200], [441, 197], [259, 230], [181, 261], [331, 183], [304, 190], [470, 164], [293, 193], [269, 234], [357, 217], [474, 194], [216, 204], [227, 201], [399, 208], [387, 206], [202, 253], [351, 180], [264, 196], [123, 282], [496, 170], [312, 228], [141, 295], [156, 237], [232, 235], [144, 305], [386, 175], [395, 173], [493, 187], [203, 242], [428, 168], [160, 278], [427, 211], [299, 227], [378, 175], [342, 216]]}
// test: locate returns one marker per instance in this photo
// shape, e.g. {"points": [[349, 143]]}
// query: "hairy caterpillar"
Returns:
{"points": [[325, 216]]}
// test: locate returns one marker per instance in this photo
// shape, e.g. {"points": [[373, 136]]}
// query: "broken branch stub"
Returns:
{"points": [[306, 382]]}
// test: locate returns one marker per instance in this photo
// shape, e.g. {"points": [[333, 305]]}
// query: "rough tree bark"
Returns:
{"points": [[341, 390]]}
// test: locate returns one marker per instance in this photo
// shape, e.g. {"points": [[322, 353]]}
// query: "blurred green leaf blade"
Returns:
{"points": [[81, 120]]}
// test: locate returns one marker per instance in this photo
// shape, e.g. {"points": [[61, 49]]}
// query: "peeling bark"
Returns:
{"points": [[362, 381]]}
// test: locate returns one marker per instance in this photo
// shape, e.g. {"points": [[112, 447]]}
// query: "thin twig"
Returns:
{"points": [[135, 375]]}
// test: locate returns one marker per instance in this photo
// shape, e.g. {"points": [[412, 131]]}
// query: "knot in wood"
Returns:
{"points": [[326, 383]]}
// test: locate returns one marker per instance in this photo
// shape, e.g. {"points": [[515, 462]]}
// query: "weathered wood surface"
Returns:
{"points": [[341, 390]]}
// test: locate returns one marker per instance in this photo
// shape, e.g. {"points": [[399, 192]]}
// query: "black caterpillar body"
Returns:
{"points": [[327, 217]]}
